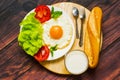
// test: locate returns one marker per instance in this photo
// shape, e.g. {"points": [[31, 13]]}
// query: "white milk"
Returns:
{"points": [[76, 62]]}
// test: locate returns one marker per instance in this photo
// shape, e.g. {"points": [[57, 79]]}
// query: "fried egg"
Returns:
{"points": [[57, 32]]}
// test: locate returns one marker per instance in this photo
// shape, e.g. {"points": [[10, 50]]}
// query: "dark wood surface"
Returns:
{"points": [[16, 65]]}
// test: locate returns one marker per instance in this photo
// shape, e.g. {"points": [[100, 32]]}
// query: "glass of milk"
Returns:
{"points": [[76, 62]]}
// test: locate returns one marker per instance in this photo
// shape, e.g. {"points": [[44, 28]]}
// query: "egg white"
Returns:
{"points": [[67, 32]]}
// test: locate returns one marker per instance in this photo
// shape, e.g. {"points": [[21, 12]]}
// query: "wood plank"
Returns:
{"points": [[17, 65], [4, 4], [111, 25], [8, 11], [12, 64], [109, 62], [9, 29]]}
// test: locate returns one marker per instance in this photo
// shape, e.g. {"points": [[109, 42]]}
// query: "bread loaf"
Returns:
{"points": [[92, 42]]}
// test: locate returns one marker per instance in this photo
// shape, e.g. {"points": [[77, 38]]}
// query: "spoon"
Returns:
{"points": [[75, 13], [82, 17]]}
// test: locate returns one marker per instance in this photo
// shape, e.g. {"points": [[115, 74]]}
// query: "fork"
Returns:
{"points": [[82, 17]]}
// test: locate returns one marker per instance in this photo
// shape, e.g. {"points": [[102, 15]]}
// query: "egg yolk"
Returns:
{"points": [[56, 32]]}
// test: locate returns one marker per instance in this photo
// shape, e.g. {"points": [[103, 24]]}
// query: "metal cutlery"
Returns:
{"points": [[75, 13], [82, 17]]}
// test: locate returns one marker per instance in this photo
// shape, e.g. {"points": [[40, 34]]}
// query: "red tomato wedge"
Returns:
{"points": [[42, 54], [42, 13]]}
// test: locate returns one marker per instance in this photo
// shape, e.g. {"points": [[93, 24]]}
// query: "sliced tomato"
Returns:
{"points": [[42, 54], [42, 13]]}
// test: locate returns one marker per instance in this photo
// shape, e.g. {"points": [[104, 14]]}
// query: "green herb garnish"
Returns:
{"points": [[55, 14], [52, 49]]}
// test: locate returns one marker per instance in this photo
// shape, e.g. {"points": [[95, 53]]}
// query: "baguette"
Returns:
{"points": [[92, 41]]}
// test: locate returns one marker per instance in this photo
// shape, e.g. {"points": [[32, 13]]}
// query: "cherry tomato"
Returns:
{"points": [[42, 54], [42, 13]]}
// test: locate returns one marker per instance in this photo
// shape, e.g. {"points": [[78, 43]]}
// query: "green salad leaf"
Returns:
{"points": [[30, 36], [30, 19]]}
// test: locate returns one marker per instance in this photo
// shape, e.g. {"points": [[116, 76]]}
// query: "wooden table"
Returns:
{"points": [[16, 65]]}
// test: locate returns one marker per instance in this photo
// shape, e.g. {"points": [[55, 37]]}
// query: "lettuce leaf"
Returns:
{"points": [[30, 36]]}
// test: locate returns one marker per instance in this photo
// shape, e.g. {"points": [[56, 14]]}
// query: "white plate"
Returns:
{"points": [[61, 52]]}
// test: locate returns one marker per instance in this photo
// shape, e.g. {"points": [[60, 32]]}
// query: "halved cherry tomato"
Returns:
{"points": [[42, 13], [42, 54]]}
